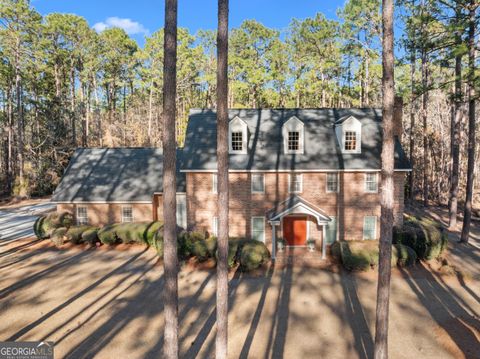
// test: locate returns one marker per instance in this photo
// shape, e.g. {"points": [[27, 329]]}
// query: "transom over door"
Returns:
{"points": [[295, 230]]}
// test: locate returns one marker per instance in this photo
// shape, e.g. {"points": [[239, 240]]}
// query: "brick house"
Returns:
{"points": [[296, 174]]}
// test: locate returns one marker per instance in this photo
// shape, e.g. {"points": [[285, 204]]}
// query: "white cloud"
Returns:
{"points": [[131, 27]]}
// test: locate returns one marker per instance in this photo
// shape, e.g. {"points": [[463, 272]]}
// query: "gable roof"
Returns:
{"points": [[265, 143], [296, 204], [114, 175]]}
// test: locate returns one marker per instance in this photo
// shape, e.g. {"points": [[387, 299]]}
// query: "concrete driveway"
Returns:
{"points": [[17, 223]]}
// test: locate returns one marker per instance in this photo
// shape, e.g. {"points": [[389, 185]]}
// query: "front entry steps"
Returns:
{"points": [[301, 256]]}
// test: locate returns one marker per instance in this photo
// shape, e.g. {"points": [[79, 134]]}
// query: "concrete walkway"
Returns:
{"points": [[17, 223]]}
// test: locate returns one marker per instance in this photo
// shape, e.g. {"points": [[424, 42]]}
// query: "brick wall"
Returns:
{"points": [[349, 205], [104, 213]]}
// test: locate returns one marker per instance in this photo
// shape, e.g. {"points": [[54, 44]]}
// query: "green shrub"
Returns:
{"points": [[196, 236], [360, 255], [253, 254], [211, 243], [45, 225], [131, 232], [74, 233], [107, 235], [200, 250], [90, 236], [426, 237], [406, 255], [38, 228], [151, 229], [184, 245], [58, 235]]}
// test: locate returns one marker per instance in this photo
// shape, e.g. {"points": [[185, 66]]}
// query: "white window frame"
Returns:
{"points": [[368, 190], [252, 227], [181, 199], [337, 184], [262, 180], [355, 150], [215, 226], [82, 220], [123, 213], [351, 124], [214, 183], [374, 229], [238, 125], [293, 125], [290, 182]]}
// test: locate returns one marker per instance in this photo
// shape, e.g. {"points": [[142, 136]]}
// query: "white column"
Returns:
{"points": [[274, 239]]}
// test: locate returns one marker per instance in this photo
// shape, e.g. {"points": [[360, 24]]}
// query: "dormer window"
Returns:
{"points": [[293, 140], [350, 141], [237, 141], [293, 136], [349, 135], [238, 131]]}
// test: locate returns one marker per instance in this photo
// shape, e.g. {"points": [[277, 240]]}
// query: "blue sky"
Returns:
{"points": [[140, 17]]}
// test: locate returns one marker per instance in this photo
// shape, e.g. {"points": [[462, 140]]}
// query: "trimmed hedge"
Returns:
{"points": [[107, 235], [406, 255], [90, 236], [131, 232], [74, 233], [45, 225], [253, 255], [359, 255], [58, 235], [427, 237]]}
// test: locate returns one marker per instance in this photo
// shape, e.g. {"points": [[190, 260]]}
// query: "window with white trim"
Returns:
{"points": [[371, 182], [369, 227], [258, 183], [332, 182], [214, 183], [295, 183], [215, 226], [237, 141], [293, 141], [331, 231], [82, 215], [127, 214], [258, 229], [237, 136], [350, 140], [293, 136]]}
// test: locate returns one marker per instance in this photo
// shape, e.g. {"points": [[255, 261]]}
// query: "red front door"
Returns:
{"points": [[295, 230]]}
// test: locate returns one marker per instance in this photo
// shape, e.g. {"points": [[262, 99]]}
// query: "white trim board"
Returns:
{"points": [[294, 170]]}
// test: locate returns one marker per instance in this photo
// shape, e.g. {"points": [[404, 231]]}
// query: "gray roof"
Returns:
{"points": [[265, 145], [114, 175]]}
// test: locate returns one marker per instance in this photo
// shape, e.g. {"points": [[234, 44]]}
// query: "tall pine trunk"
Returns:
{"points": [[456, 128], [467, 212], [411, 178], [223, 193], [169, 181], [386, 199], [424, 124], [18, 93]]}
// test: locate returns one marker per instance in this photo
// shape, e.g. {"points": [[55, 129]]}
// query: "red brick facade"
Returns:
{"points": [[349, 205]]}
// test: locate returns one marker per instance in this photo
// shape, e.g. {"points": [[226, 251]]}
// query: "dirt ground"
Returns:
{"points": [[108, 304]]}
